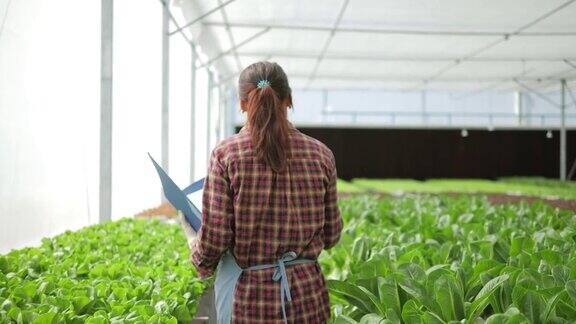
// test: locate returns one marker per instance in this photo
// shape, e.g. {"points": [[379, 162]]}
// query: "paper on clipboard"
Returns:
{"points": [[188, 201]]}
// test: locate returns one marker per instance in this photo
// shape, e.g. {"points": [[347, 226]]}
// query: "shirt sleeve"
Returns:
{"points": [[332, 218], [215, 235]]}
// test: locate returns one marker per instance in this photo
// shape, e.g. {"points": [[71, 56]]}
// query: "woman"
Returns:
{"points": [[269, 208]]}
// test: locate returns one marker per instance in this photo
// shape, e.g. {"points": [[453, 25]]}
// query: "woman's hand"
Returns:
{"points": [[188, 231]]}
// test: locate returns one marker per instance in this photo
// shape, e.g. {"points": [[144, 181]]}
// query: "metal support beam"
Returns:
{"points": [[538, 94], [502, 39], [568, 61], [221, 116], [571, 95], [518, 107], [424, 106], [397, 58], [230, 110], [543, 82], [230, 50], [230, 35], [387, 78], [206, 14], [227, 117], [324, 104], [563, 133], [449, 116], [366, 30], [209, 116], [192, 113], [106, 51], [328, 41], [180, 30], [165, 120]]}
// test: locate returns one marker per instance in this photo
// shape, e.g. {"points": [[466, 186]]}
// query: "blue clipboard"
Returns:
{"points": [[178, 198]]}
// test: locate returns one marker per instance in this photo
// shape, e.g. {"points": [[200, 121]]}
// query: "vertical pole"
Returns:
{"points": [[563, 134], [518, 109], [216, 130], [221, 113], [225, 113], [209, 114], [424, 105], [192, 114], [324, 104], [107, 29], [165, 141], [230, 110]]}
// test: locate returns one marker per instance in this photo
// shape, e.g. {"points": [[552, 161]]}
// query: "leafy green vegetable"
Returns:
{"points": [[538, 187], [129, 271], [423, 259], [415, 259]]}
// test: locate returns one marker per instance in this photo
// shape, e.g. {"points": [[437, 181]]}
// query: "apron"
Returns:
{"points": [[228, 273]]}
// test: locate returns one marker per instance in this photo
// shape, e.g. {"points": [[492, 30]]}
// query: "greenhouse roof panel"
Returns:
{"points": [[441, 44]]}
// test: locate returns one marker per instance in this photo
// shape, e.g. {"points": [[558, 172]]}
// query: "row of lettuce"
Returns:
{"points": [[420, 259], [129, 271], [529, 186], [448, 260]]}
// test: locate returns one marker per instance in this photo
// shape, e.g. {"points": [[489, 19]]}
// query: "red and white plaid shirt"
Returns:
{"points": [[259, 215]]}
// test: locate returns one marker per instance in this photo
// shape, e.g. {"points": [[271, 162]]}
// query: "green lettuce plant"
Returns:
{"points": [[129, 271], [447, 260]]}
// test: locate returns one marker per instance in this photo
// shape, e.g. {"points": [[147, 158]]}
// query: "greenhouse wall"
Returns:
{"points": [[49, 118], [444, 153], [50, 115], [374, 108]]}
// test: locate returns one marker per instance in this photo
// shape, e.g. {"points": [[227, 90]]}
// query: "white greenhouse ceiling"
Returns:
{"points": [[400, 45]]}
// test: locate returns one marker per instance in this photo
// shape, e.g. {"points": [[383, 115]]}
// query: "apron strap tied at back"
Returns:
{"points": [[289, 258]]}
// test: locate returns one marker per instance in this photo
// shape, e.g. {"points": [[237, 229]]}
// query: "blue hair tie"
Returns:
{"points": [[262, 83]]}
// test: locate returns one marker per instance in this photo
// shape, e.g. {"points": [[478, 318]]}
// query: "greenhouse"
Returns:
{"points": [[418, 158]]}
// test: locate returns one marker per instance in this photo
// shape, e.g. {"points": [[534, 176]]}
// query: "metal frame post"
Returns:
{"points": [[324, 104], [230, 109], [204, 15], [106, 50], [234, 48], [209, 115], [192, 113], [221, 113], [518, 107], [165, 119], [563, 133], [424, 106]]}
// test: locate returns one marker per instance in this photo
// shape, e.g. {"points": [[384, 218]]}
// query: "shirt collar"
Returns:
{"points": [[245, 128]]}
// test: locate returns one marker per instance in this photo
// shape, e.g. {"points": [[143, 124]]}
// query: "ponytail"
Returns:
{"points": [[265, 95], [269, 128]]}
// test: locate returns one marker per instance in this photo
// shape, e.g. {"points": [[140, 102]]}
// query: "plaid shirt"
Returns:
{"points": [[260, 215]]}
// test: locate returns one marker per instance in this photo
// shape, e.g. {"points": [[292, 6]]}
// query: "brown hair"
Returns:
{"points": [[266, 94]]}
